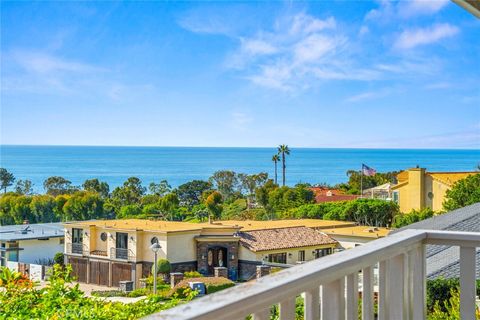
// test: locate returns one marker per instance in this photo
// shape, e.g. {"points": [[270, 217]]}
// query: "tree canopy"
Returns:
{"points": [[463, 193]]}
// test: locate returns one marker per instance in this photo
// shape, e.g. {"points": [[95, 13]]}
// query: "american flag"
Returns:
{"points": [[367, 171]]}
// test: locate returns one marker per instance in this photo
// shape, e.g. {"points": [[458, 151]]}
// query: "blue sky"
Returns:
{"points": [[315, 74]]}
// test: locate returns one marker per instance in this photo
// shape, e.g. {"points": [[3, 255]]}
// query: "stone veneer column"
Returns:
{"points": [[263, 271], [221, 272], [175, 278]]}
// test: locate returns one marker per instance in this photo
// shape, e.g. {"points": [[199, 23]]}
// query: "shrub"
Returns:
{"points": [[108, 293], [212, 284], [192, 274], [59, 258], [413, 216], [163, 266]]}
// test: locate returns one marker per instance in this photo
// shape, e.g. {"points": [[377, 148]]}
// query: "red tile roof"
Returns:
{"points": [[329, 195], [283, 238]]}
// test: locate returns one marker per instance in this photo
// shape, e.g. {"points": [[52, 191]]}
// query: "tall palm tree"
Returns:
{"points": [[283, 150], [275, 160]]}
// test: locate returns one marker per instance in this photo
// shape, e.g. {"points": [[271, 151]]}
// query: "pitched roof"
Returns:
{"points": [[323, 194], [444, 260], [283, 238], [449, 178], [358, 231], [248, 225]]}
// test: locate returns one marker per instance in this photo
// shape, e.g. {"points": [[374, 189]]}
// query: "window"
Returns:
{"points": [[13, 256], [103, 236], [122, 240], [77, 235], [301, 255], [322, 252], [395, 196], [62, 241], [154, 240], [278, 257]]}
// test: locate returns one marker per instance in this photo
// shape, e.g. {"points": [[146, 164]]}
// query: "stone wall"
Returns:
{"points": [[184, 266], [247, 270]]}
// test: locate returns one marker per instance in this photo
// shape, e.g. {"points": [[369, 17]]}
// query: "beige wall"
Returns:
{"points": [[181, 247], [144, 251], [292, 254], [348, 242]]}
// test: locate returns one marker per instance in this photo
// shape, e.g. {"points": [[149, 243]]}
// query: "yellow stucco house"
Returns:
{"points": [[110, 251], [418, 189]]}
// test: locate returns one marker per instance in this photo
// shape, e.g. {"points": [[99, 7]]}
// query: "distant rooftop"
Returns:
{"points": [[31, 231], [359, 231]]}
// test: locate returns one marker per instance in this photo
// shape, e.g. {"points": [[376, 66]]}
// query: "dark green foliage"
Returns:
{"points": [[190, 193], [355, 180], [439, 290], [213, 203], [226, 183], [58, 185], [24, 187], [463, 193], [95, 185], [163, 266], [413, 216], [212, 285], [6, 179], [59, 258]]}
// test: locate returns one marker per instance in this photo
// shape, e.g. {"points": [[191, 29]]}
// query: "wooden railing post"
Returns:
{"points": [[396, 287], [312, 304], [352, 296], [333, 300], [417, 283], [263, 314], [367, 293], [467, 283], [287, 309]]}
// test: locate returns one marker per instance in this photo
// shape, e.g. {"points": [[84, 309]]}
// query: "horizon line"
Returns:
{"points": [[230, 147]]}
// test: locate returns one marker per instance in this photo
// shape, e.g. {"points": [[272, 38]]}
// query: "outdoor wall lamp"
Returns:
{"points": [[203, 257], [233, 257], [289, 254]]}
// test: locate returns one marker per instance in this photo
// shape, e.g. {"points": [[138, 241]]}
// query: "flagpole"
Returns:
{"points": [[361, 182]]}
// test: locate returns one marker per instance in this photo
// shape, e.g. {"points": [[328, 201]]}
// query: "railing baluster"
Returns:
{"points": [[333, 300], [352, 296], [367, 293], [467, 283], [287, 309], [312, 304], [395, 287], [382, 290], [416, 293], [263, 314]]}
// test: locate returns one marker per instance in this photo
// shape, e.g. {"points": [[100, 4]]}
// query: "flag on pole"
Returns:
{"points": [[367, 171]]}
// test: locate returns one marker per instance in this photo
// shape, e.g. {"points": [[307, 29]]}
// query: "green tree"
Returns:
{"points": [[226, 182], [129, 211], [463, 193], [355, 180], [168, 204], [262, 192], [276, 159], [130, 192], [250, 182], [214, 204], [83, 205], [95, 185], [57, 185], [160, 189], [190, 193], [6, 179], [43, 208], [284, 151], [24, 187], [413, 216]]}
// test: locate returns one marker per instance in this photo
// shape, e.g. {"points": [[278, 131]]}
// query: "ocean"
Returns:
{"points": [[178, 165]]}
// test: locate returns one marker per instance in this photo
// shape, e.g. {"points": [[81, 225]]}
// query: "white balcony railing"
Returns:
{"points": [[329, 286]]}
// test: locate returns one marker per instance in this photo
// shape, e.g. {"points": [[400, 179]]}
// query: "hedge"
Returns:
{"points": [[212, 284]]}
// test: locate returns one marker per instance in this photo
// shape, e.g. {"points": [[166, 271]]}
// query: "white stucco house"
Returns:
{"points": [[30, 243]]}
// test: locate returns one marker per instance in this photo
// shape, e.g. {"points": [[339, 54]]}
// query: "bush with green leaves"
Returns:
{"points": [[60, 298], [413, 216], [163, 266], [59, 258], [212, 284], [192, 274]]}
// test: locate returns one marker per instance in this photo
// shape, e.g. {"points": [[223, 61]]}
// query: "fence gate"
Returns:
{"points": [[79, 268]]}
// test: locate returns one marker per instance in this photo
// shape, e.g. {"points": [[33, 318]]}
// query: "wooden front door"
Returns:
{"points": [[216, 257], [99, 273]]}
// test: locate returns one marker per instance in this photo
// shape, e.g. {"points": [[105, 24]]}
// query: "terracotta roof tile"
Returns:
{"points": [[283, 238]]}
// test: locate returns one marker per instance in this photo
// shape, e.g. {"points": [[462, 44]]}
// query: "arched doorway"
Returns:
{"points": [[216, 257]]}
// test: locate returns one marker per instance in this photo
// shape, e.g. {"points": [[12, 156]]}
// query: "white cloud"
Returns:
{"points": [[389, 11], [257, 46], [303, 23], [412, 38], [420, 7]]}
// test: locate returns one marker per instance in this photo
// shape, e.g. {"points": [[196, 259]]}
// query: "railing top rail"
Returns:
{"points": [[246, 298]]}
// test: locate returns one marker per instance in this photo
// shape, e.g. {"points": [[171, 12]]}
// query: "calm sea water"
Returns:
{"points": [[181, 164]]}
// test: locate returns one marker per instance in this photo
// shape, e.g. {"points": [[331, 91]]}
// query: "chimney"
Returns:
{"points": [[416, 182]]}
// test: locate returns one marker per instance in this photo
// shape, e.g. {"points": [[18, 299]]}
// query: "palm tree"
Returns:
{"points": [[275, 159], [283, 150]]}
